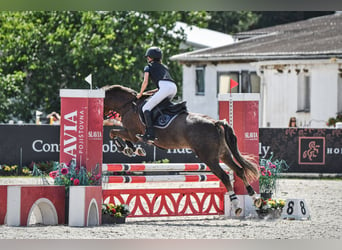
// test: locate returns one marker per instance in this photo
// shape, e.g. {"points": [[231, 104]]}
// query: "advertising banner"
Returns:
{"points": [[95, 129], [81, 127], [242, 113], [305, 150]]}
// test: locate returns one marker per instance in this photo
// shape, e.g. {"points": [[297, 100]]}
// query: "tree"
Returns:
{"points": [[231, 22], [42, 52]]}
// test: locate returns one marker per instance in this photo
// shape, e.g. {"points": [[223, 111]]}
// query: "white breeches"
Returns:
{"points": [[167, 89]]}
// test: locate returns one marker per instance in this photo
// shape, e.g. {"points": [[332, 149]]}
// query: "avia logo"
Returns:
{"points": [[311, 150], [74, 136], [70, 134]]}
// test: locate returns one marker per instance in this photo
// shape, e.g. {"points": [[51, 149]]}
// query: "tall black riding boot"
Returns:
{"points": [[149, 131]]}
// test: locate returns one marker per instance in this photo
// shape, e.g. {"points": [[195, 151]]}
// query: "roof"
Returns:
{"points": [[319, 37], [200, 37]]}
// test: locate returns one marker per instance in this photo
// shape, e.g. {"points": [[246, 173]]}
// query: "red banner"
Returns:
{"points": [[243, 114], [81, 127]]}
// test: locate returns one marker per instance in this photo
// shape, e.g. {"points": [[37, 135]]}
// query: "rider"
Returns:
{"points": [[166, 87]]}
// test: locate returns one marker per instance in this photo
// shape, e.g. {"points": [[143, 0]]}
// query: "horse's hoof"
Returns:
{"points": [[128, 151], [140, 151], [238, 211], [258, 203]]}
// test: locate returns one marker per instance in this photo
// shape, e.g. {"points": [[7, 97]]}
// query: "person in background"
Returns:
{"points": [[54, 118], [292, 122]]}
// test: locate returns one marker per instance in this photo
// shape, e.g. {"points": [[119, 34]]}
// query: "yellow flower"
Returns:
{"points": [[281, 202], [26, 170], [271, 203]]}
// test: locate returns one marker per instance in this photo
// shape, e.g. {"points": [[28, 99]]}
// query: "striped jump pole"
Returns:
{"points": [[151, 167], [159, 178], [152, 202], [158, 167]]}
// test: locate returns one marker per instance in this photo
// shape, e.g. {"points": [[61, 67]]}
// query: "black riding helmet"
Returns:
{"points": [[155, 53]]}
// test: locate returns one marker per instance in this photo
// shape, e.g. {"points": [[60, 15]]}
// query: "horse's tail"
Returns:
{"points": [[251, 169]]}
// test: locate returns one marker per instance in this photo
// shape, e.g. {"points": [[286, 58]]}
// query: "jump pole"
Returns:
{"points": [[165, 200], [242, 112]]}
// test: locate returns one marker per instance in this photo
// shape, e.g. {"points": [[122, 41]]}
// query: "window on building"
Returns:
{"points": [[200, 81], [249, 82], [255, 82], [303, 98]]}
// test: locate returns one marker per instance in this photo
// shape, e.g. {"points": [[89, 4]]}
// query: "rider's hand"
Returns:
{"points": [[139, 95]]}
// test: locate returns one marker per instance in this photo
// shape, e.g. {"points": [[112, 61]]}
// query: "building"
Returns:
{"points": [[296, 68], [199, 38]]}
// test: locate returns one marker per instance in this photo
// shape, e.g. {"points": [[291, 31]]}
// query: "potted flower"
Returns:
{"points": [[114, 214], [72, 175], [8, 170], [333, 120], [271, 208], [269, 174]]}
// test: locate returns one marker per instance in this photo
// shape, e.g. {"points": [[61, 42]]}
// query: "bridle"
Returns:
{"points": [[121, 108], [110, 114]]}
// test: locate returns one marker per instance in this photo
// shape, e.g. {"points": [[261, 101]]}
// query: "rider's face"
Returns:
{"points": [[149, 59]]}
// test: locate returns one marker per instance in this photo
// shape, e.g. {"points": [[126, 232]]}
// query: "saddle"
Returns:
{"points": [[164, 113]]}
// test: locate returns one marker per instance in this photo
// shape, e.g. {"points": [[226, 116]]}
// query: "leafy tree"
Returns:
{"points": [[231, 22], [42, 52]]}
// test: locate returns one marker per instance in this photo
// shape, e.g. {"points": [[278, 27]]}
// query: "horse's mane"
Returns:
{"points": [[120, 88]]}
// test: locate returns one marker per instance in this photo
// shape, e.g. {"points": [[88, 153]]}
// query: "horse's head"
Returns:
{"points": [[117, 97]]}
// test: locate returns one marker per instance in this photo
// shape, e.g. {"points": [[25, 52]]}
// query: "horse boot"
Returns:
{"points": [[148, 137]]}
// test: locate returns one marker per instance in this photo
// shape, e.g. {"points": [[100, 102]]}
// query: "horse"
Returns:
{"points": [[211, 140]]}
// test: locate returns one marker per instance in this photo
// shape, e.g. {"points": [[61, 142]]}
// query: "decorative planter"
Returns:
{"points": [[108, 219], [270, 213], [120, 220], [66, 207], [266, 196]]}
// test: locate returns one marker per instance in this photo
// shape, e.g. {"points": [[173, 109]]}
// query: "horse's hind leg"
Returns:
{"points": [[228, 160], [224, 177]]}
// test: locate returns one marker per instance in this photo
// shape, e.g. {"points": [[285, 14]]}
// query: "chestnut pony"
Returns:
{"points": [[211, 140]]}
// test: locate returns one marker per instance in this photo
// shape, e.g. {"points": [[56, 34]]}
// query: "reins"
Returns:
{"points": [[121, 108]]}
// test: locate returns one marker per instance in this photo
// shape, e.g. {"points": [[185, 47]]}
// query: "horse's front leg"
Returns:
{"points": [[118, 131], [119, 135], [122, 140]]}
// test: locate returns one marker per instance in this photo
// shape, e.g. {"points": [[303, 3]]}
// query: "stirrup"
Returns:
{"points": [[148, 138], [145, 138]]}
